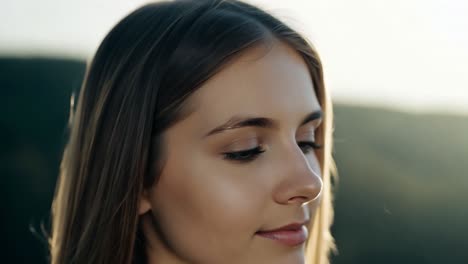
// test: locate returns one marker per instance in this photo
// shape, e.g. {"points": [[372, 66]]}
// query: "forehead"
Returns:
{"points": [[264, 81]]}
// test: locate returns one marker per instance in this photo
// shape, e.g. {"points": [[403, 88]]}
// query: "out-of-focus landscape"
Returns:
{"points": [[401, 196]]}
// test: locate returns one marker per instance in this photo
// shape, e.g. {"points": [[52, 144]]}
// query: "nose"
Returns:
{"points": [[300, 177]]}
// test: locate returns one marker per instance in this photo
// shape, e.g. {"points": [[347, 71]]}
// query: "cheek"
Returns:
{"points": [[206, 206]]}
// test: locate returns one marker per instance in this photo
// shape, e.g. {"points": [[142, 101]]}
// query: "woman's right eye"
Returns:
{"points": [[244, 155]]}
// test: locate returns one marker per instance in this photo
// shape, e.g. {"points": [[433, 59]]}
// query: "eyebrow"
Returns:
{"points": [[263, 122]]}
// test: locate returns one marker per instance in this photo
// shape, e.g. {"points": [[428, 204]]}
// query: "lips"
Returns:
{"points": [[290, 235]]}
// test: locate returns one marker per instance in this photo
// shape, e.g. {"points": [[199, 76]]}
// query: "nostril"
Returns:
{"points": [[307, 193], [298, 199]]}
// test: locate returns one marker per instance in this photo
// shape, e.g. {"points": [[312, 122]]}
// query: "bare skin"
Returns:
{"points": [[207, 206]]}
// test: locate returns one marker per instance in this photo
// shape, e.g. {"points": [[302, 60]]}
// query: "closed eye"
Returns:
{"points": [[251, 154], [308, 146], [244, 155]]}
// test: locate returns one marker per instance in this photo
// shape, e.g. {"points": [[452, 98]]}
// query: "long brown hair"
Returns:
{"points": [[134, 89]]}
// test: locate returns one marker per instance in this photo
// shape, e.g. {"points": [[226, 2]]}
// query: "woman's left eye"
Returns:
{"points": [[307, 146]]}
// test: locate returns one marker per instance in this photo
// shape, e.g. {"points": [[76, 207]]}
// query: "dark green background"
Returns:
{"points": [[401, 196]]}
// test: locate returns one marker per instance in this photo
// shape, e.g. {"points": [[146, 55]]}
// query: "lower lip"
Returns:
{"points": [[287, 237]]}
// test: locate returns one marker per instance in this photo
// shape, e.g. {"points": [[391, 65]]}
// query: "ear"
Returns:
{"points": [[144, 204]]}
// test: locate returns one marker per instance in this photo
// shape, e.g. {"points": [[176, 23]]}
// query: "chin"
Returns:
{"points": [[293, 257]]}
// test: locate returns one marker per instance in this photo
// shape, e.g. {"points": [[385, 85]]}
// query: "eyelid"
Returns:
{"points": [[310, 144], [245, 155], [242, 144], [307, 135]]}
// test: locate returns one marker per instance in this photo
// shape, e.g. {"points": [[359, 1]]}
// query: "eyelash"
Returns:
{"points": [[250, 154]]}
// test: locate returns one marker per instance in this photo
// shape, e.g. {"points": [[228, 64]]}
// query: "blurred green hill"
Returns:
{"points": [[401, 196], [403, 186]]}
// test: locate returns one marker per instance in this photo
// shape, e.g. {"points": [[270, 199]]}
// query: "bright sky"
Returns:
{"points": [[410, 54]]}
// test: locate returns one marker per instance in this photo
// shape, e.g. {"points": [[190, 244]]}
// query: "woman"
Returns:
{"points": [[202, 134]]}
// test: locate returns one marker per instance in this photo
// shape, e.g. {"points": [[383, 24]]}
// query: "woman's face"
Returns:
{"points": [[241, 163]]}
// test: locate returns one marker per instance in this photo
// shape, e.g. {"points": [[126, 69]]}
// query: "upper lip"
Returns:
{"points": [[288, 227]]}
